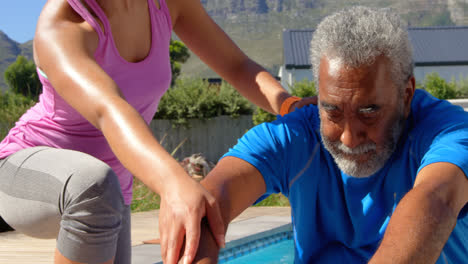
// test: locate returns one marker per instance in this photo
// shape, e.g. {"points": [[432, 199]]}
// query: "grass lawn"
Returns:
{"points": [[145, 200]]}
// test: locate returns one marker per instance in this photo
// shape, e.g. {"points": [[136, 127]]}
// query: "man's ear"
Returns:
{"points": [[408, 94]]}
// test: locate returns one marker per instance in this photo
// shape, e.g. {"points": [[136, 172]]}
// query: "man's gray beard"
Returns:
{"points": [[375, 162]]}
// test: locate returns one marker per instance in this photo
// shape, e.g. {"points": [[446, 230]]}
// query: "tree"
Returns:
{"points": [[179, 54], [21, 77]]}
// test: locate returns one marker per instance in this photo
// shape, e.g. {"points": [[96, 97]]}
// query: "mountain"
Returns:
{"points": [[257, 25], [9, 50], [27, 49]]}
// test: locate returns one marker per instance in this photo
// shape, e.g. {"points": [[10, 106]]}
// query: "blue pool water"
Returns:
{"points": [[280, 252]]}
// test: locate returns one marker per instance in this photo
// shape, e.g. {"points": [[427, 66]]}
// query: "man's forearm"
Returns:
{"points": [[208, 249], [236, 185], [418, 230]]}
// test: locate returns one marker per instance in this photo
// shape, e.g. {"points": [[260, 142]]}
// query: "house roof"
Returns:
{"points": [[296, 48], [439, 45], [432, 46]]}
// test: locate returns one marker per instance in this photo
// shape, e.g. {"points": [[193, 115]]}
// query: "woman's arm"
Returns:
{"points": [[64, 47], [209, 42]]}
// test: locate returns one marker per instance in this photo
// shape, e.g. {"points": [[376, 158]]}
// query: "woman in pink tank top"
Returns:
{"points": [[104, 65]]}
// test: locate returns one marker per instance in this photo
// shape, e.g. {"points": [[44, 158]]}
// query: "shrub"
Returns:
{"points": [[304, 88], [462, 88], [197, 99], [21, 77], [12, 107], [179, 54], [188, 99], [261, 116], [233, 104], [438, 87]]}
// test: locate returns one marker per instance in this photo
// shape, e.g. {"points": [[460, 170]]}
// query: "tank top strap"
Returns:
{"points": [[101, 15], [162, 4], [152, 6], [163, 8], [86, 15]]}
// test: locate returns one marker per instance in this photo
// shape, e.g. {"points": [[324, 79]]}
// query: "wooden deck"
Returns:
{"points": [[16, 248]]}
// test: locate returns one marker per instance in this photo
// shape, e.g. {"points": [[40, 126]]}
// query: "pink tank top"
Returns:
{"points": [[53, 122]]}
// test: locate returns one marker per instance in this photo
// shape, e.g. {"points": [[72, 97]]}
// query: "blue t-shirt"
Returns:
{"points": [[340, 219]]}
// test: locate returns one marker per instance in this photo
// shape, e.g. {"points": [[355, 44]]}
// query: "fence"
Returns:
{"points": [[212, 138]]}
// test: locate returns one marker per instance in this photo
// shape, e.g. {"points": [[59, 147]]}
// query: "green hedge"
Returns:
{"points": [[462, 87], [197, 99], [439, 88], [442, 89]]}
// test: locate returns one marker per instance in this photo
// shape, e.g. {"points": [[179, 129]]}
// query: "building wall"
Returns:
{"points": [[290, 76], [446, 72]]}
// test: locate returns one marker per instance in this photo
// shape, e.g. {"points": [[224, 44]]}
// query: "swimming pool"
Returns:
{"points": [[244, 237], [277, 248], [281, 252]]}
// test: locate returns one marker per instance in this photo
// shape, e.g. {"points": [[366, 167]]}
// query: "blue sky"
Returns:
{"points": [[18, 18]]}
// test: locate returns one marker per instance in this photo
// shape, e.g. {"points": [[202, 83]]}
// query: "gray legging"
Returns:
{"points": [[68, 195]]}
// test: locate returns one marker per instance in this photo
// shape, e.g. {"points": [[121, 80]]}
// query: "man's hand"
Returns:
{"points": [[235, 184], [182, 209], [208, 249]]}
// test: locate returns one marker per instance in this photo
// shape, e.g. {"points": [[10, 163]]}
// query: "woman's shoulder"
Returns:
{"points": [[59, 24], [57, 14]]}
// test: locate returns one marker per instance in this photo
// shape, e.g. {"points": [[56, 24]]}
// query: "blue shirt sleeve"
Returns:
{"points": [[441, 133], [451, 146], [277, 149]]}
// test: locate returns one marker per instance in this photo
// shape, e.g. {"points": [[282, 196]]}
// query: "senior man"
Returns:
{"points": [[376, 172]]}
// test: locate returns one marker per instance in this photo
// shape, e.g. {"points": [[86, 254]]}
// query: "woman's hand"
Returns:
{"points": [[303, 102], [183, 205]]}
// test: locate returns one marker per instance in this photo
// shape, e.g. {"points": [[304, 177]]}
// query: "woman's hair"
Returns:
{"points": [[357, 36]]}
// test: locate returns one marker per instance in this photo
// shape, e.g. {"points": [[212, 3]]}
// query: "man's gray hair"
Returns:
{"points": [[357, 36]]}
